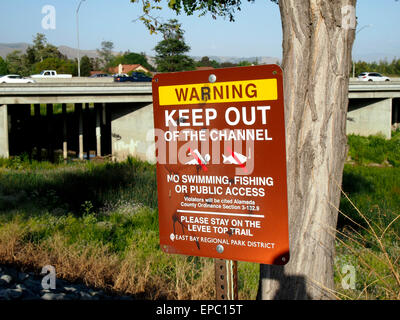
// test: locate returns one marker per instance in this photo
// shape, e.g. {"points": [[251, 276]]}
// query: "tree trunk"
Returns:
{"points": [[317, 41]]}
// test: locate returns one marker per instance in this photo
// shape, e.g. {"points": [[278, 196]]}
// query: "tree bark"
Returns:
{"points": [[317, 44]]}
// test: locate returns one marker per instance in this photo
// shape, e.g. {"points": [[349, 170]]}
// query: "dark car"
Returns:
{"points": [[100, 75], [135, 77]]}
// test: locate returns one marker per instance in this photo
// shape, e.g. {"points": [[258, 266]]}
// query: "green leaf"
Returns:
{"points": [[171, 3]]}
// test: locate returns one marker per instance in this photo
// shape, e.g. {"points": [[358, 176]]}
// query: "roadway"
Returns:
{"points": [[75, 93], [374, 90], [96, 91]]}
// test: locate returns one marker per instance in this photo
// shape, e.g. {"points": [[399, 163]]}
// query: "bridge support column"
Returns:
{"points": [[131, 127], [4, 147], [65, 142], [369, 116], [98, 110], [106, 144], [86, 130], [78, 110]]}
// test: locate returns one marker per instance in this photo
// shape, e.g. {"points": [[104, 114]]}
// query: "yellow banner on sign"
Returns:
{"points": [[232, 91]]}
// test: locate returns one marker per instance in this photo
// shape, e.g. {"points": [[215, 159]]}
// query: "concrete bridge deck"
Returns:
{"points": [[75, 93], [68, 92], [374, 90]]}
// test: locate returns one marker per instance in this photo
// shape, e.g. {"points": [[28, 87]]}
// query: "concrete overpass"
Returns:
{"points": [[75, 119], [102, 118], [374, 107]]}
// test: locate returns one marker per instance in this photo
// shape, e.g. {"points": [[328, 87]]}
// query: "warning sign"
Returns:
{"points": [[221, 163], [233, 91]]}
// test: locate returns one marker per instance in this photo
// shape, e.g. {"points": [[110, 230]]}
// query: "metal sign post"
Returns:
{"points": [[226, 279]]}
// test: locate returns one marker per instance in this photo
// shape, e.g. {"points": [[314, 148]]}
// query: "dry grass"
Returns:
{"points": [[187, 283], [373, 249], [96, 266]]}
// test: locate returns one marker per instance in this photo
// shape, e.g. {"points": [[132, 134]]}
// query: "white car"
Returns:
{"points": [[372, 76], [15, 78]]}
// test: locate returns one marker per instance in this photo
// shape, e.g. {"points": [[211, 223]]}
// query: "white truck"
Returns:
{"points": [[49, 74]]}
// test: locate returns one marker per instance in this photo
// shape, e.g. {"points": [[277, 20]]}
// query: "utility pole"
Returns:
{"points": [[77, 36], [354, 64]]}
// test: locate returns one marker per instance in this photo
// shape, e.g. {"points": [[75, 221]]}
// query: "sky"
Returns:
{"points": [[255, 32]]}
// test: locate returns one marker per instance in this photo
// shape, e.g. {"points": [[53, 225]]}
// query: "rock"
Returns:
{"points": [[7, 278], [29, 295], [85, 296], [22, 276], [10, 294], [14, 293], [79, 287], [4, 295], [61, 283], [94, 293], [3, 283], [70, 289], [34, 285], [20, 287], [12, 272], [53, 296], [43, 291]]}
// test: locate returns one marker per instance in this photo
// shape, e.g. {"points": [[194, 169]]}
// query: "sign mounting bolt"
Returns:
{"points": [[220, 248], [212, 78]]}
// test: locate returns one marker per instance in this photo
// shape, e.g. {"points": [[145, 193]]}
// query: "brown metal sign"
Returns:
{"points": [[221, 163]]}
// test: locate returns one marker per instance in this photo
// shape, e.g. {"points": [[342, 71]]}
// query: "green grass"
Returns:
{"points": [[374, 191], [57, 108], [111, 204], [375, 149], [81, 199], [369, 222], [44, 185]]}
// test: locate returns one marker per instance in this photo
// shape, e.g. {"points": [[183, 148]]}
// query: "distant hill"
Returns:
{"points": [[6, 48], [71, 53], [259, 60]]}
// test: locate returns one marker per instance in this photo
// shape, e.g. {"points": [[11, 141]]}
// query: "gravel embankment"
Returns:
{"points": [[17, 285]]}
